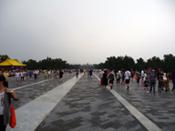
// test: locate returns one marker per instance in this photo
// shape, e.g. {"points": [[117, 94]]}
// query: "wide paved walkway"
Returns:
{"points": [[87, 107], [80, 104]]}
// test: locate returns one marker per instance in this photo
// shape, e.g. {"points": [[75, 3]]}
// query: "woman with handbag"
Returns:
{"points": [[5, 103]]}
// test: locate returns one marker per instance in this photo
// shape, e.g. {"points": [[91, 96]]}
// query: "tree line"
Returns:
{"points": [[47, 63], [50, 64], [120, 62], [126, 62]]}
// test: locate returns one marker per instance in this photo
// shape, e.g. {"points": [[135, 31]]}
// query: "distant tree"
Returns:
{"points": [[118, 63], [31, 64], [140, 64], [53, 64], [111, 62], [3, 57], [99, 66], [47, 63], [154, 62], [169, 63], [128, 63]]}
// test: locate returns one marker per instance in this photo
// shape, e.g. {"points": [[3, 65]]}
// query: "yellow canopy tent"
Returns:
{"points": [[11, 62]]}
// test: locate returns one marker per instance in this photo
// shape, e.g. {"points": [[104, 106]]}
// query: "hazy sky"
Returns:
{"points": [[86, 31]]}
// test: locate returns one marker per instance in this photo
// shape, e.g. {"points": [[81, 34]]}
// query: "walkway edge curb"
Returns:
{"points": [[146, 122]]}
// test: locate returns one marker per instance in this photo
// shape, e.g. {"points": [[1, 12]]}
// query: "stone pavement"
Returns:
{"points": [[14, 84], [30, 115], [29, 93], [159, 108], [88, 107]]}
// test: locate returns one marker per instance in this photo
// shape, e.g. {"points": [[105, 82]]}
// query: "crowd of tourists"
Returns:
{"points": [[22, 75], [107, 77], [150, 79]]}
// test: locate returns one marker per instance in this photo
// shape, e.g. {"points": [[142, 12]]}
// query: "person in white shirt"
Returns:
{"points": [[127, 78], [142, 77], [22, 75], [100, 76], [118, 76], [17, 75]]}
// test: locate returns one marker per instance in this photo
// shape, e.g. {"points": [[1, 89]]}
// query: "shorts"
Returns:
{"points": [[127, 81]]}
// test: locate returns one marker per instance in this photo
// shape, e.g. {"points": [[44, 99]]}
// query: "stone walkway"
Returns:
{"points": [[88, 107], [29, 93], [159, 108], [30, 115]]}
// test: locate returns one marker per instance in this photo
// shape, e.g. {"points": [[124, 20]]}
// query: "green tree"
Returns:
{"points": [[128, 63], [111, 62], [3, 57], [140, 64], [154, 62], [118, 63], [31, 64], [169, 63]]}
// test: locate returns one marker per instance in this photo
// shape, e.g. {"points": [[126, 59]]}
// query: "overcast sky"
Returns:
{"points": [[86, 31]]}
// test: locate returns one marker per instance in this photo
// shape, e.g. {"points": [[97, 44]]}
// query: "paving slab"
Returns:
{"points": [[159, 108], [29, 93], [13, 83], [32, 113], [88, 107]]}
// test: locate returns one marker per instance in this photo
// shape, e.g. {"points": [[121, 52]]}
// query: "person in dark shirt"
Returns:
{"points": [[105, 78], [152, 80], [173, 80], [160, 81]]}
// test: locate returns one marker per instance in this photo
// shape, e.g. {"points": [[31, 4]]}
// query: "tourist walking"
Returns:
{"points": [[22, 73], [173, 80], [36, 74], [111, 79], [127, 76], [101, 76], [77, 73], [166, 81], [138, 78], [90, 73], [160, 81], [118, 77], [146, 83], [142, 74], [5, 101], [61, 74], [104, 78], [123, 78], [152, 79]]}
